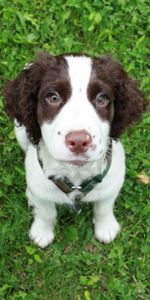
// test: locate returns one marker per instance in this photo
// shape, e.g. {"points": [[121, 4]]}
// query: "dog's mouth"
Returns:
{"points": [[77, 162]]}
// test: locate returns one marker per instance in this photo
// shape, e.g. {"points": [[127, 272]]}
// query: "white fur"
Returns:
{"points": [[77, 114]]}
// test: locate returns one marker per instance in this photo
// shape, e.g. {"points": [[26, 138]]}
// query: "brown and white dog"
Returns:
{"points": [[66, 108]]}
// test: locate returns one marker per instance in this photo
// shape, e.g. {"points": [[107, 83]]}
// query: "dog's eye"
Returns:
{"points": [[102, 100], [53, 98]]}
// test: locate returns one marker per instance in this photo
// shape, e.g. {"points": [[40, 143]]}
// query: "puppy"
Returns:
{"points": [[69, 112]]}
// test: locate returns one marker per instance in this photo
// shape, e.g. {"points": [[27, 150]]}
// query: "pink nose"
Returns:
{"points": [[78, 141]]}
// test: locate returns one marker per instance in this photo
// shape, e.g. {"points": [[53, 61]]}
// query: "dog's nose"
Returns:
{"points": [[78, 141]]}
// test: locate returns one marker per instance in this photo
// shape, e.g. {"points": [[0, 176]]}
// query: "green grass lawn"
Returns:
{"points": [[76, 266]]}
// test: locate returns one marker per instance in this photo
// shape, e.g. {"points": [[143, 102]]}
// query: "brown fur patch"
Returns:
{"points": [[23, 96], [129, 101]]}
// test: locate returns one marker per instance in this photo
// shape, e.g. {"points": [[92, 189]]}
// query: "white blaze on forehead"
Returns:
{"points": [[79, 73]]}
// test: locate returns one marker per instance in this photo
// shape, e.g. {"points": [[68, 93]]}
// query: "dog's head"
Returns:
{"points": [[74, 103]]}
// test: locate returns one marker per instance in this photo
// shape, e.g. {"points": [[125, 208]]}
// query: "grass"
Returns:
{"points": [[76, 266]]}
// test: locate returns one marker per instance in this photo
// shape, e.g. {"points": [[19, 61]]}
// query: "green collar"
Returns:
{"points": [[87, 186]]}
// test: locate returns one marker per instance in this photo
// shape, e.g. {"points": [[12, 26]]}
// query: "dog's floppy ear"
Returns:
{"points": [[129, 101], [20, 96]]}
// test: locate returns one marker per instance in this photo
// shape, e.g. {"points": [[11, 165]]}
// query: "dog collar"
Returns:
{"points": [[87, 186]]}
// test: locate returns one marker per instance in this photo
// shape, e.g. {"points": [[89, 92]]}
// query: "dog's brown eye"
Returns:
{"points": [[52, 98], [102, 100]]}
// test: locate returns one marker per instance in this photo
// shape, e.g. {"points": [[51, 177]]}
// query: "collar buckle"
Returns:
{"points": [[76, 187]]}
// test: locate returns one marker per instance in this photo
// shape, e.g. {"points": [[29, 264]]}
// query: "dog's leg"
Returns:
{"points": [[105, 223], [41, 231]]}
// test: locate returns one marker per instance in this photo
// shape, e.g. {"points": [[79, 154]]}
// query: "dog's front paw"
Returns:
{"points": [[106, 230], [41, 233]]}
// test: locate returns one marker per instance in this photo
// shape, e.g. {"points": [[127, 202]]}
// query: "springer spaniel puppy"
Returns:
{"points": [[69, 112]]}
